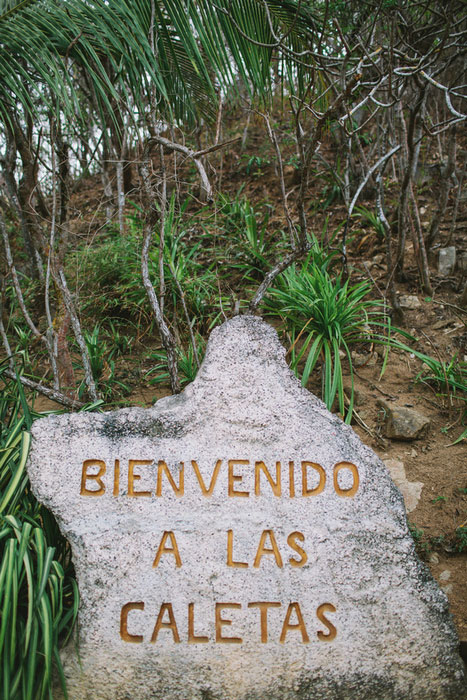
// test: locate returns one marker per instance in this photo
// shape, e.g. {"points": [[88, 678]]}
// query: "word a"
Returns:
{"points": [[267, 547]]}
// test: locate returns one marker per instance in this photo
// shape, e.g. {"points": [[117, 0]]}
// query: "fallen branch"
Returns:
{"points": [[46, 391], [274, 272]]}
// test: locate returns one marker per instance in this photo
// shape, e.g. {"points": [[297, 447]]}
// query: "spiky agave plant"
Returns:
{"points": [[325, 315]]}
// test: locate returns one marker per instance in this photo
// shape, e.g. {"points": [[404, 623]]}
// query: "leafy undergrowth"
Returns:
{"points": [[38, 591]]}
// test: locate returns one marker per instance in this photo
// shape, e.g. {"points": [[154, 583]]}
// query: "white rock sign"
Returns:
{"points": [[239, 542]]}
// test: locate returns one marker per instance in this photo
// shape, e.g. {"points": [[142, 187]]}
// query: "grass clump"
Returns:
{"points": [[325, 314], [38, 593]]}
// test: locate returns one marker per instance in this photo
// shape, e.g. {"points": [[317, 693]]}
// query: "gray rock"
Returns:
{"points": [[231, 583], [409, 301], [447, 261], [410, 490], [401, 423]]}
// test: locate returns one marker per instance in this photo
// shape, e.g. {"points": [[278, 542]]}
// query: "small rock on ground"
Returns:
{"points": [[446, 260], [410, 490], [401, 423], [409, 301]]}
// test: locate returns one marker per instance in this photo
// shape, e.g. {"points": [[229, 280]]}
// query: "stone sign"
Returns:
{"points": [[239, 542]]}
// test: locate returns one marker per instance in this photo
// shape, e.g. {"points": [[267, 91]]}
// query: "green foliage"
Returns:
{"points": [[187, 366], [38, 594], [31, 580], [421, 545], [185, 270], [325, 314], [102, 366], [119, 343], [246, 229], [461, 539], [24, 339], [177, 52], [109, 276], [369, 217], [462, 436], [254, 165], [332, 193], [449, 378]]}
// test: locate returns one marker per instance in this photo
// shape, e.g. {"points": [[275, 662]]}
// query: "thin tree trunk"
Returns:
{"points": [[88, 378], [120, 166], [9, 165], [162, 219], [460, 182], [447, 181], [419, 246], [167, 338], [409, 134], [4, 336], [48, 341], [273, 273], [390, 286], [107, 183]]}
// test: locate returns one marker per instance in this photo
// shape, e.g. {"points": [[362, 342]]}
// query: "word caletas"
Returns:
{"points": [[239, 542]]}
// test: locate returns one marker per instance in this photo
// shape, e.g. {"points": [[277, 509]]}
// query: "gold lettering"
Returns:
{"points": [[221, 622], [170, 625], [192, 638], [291, 541], [349, 493], [235, 477], [263, 608], [262, 550], [124, 634], [207, 491], [132, 477], [326, 607], [230, 561], [93, 477], [300, 625], [275, 485], [162, 468], [168, 550], [116, 477], [291, 480], [322, 479]]}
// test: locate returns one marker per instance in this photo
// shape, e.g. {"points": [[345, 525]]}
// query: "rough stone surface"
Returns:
{"points": [[410, 301], [402, 423], [394, 636], [447, 261], [410, 490]]}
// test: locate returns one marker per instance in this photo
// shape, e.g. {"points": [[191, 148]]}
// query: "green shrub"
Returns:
{"points": [[327, 315], [187, 366], [38, 593]]}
